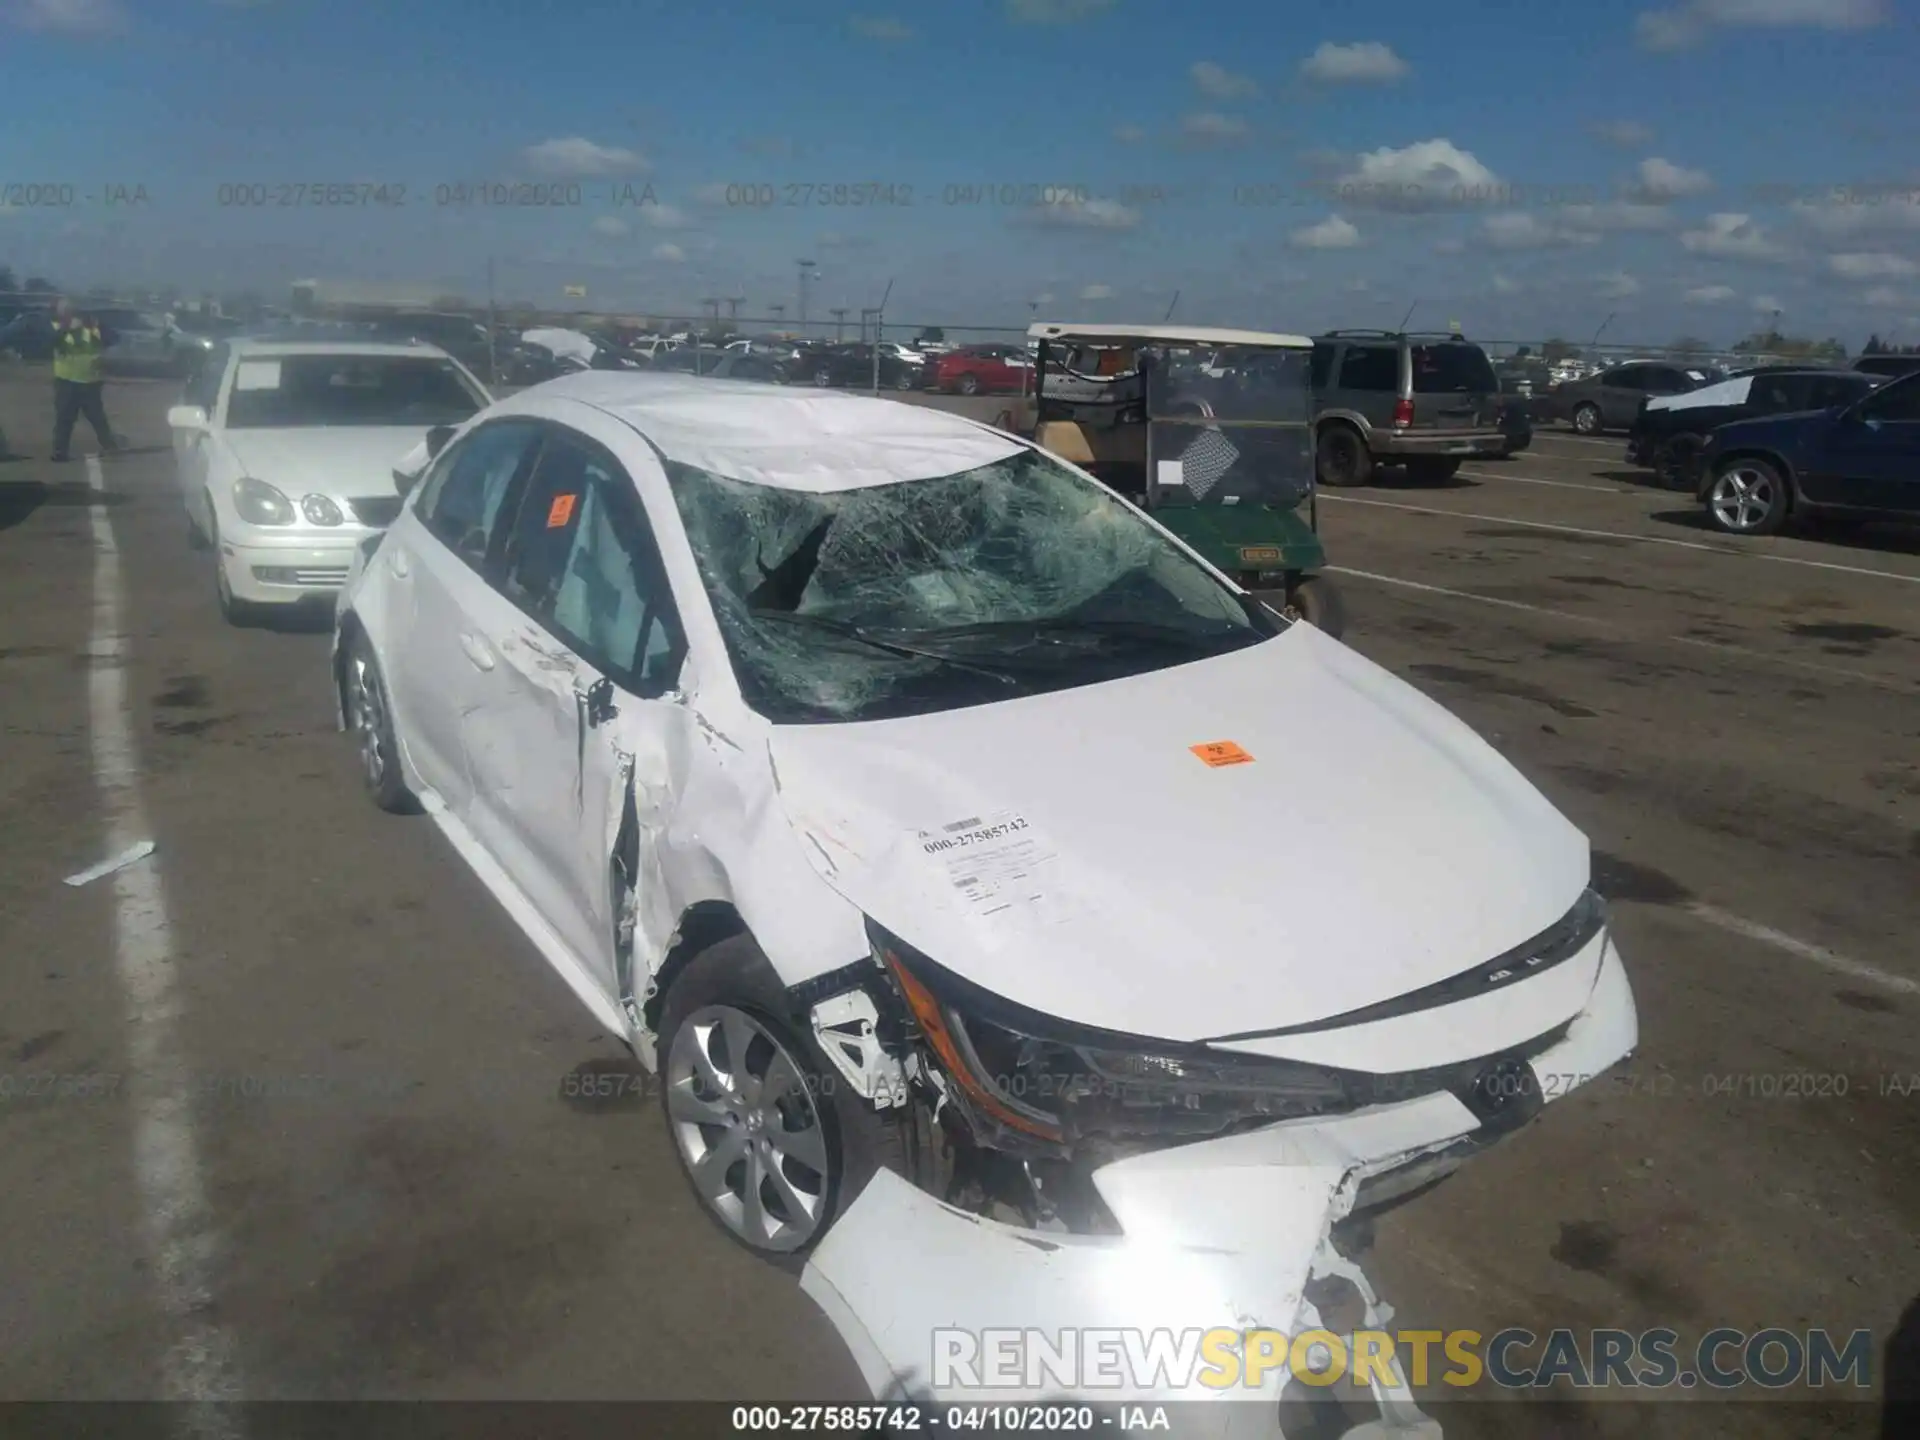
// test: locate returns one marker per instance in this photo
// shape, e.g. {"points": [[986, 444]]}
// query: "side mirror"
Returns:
{"points": [[437, 439], [186, 417]]}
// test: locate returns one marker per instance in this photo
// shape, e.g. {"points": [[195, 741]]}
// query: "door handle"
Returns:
{"points": [[477, 652]]}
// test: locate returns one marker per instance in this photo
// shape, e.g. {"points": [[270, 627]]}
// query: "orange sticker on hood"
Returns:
{"points": [[1222, 752]]}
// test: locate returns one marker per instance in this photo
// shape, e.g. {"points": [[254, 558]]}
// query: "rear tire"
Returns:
{"points": [[1586, 419], [969, 384], [1317, 601], [1342, 459], [775, 1107], [370, 718]]}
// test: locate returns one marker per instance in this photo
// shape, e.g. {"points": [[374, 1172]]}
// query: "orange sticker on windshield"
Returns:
{"points": [[1222, 752], [560, 512]]}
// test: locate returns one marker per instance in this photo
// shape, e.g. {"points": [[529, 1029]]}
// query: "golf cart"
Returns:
{"points": [[1210, 431]]}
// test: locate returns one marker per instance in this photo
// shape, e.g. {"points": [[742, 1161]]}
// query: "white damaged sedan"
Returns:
{"points": [[1028, 927]]}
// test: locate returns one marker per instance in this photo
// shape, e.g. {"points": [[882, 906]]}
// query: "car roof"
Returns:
{"points": [[768, 435], [257, 347], [1166, 334]]}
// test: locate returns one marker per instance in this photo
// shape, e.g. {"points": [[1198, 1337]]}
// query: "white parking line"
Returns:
{"points": [[181, 1240], [1758, 656], [1730, 550], [1817, 954], [1557, 484], [1574, 439]]}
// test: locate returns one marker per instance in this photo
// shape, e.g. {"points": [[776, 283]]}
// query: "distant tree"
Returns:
{"points": [[450, 302], [7, 282], [1688, 347], [1556, 350], [1875, 346], [931, 335], [37, 285], [1523, 353]]}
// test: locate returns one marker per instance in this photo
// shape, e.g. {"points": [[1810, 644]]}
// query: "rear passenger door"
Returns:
{"points": [[1368, 382], [587, 648]]}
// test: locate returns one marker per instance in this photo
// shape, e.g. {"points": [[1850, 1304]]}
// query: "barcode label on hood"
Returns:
{"points": [[996, 863]]}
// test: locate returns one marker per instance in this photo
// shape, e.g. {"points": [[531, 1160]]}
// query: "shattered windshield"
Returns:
{"points": [[1014, 578]]}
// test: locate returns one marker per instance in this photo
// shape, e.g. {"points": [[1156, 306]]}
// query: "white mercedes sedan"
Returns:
{"points": [[1026, 926], [285, 453]]}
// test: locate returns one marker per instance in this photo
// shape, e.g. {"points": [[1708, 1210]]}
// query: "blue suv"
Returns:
{"points": [[1860, 459]]}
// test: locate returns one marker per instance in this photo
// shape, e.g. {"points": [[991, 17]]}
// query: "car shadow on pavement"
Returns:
{"points": [[310, 618], [1397, 477], [1886, 537], [1646, 479], [19, 499]]}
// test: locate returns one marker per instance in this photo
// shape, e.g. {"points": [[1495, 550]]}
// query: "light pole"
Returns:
{"points": [[779, 313], [807, 268], [839, 313], [1591, 344]]}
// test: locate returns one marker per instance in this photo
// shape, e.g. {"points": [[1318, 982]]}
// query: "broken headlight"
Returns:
{"points": [[1026, 1077]]}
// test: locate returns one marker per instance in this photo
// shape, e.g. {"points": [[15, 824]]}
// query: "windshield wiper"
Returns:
{"points": [[1068, 625], [891, 647]]}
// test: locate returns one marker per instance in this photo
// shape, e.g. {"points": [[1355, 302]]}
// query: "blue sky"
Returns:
{"points": [[1521, 169]]}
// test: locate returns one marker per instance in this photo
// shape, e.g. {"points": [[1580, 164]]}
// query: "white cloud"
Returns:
{"points": [[1505, 284], [1709, 295], [1662, 180], [1427, 175], [1097, 292], [671, 254], [1616, 215], [668, 217], [1617, 286], [1732, 237], [1693, 21], [1221, 83], [1766, 304], [579, 156], [713, 194], [69, 17], [1332, 233], [879, 27], [1627, 134], [1210, 127], [1836, 220], [1524, 230], [1053, 12], [1872, 265], [1885, 297], [1075, 214], [611, 225], [1362, 63], [1129, 134]]}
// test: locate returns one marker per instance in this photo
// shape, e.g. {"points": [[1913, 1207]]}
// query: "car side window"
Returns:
{"points": [[1370, 367], [581, 560], [1829, 390], [1662, 381], [462, 498], [203, 389], [1626, 377], [1772, 393], [1321, 369], [1898, 402]]}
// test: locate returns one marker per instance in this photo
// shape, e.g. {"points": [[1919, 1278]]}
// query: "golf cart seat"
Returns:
{"points": [[1114, 455]]}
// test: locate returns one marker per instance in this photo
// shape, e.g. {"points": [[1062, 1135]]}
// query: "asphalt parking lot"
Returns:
{"points": [[397, 1160]]}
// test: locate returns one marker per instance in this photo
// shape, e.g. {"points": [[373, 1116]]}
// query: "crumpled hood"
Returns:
{"points": [[1072, 853], [345, 462]]}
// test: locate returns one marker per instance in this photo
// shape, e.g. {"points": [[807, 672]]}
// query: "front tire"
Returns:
{"points": [[1748, 497], [771, 1140], [969, 384], [241, 614], [370, 718], [1342, 459], [1586, 419], [1317, 601]]}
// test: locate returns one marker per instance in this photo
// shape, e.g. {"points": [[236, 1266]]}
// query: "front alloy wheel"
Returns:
{"points": [[1748, 498], [1586, 420], [744, 1118]]}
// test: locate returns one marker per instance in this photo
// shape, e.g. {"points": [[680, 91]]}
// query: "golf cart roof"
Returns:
{"points": [[1166, 335]]}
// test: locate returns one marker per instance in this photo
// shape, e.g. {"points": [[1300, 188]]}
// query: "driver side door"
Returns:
{"points": [[1871, 455]]}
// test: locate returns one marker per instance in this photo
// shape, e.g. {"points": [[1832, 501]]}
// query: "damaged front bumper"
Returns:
{"points": [[1233, 1234]]}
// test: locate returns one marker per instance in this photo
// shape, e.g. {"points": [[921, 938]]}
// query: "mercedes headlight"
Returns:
{"points": [[261, 504], [1025, 1076]]}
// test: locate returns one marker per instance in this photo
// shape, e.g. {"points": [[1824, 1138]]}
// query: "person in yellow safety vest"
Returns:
{"points": [[77, 380]]}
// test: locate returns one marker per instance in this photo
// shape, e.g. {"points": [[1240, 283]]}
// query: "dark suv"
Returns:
{"points": [[1385, 397]]}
